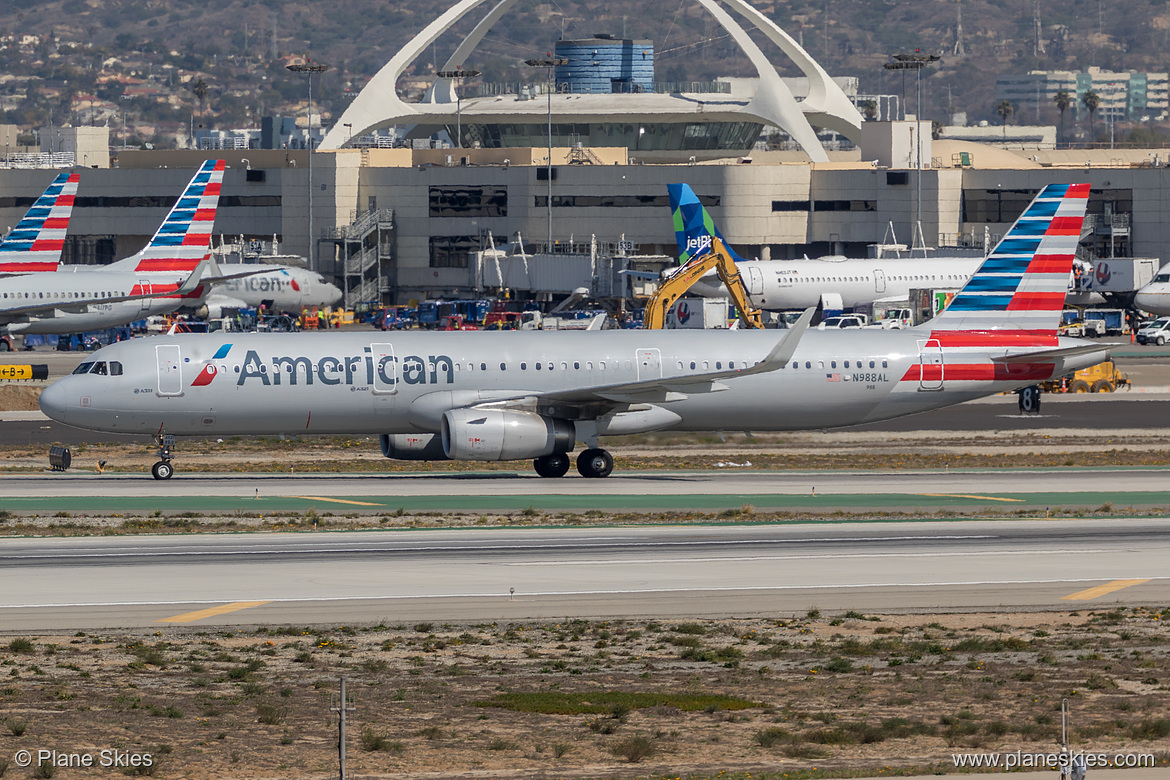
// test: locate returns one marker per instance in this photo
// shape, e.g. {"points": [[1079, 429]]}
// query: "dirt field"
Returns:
{"points": [[798, 696]]}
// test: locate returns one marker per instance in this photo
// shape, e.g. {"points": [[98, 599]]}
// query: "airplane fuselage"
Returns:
{"points": [[357, 383], [71, 285], [785, 285], [284, 288]]}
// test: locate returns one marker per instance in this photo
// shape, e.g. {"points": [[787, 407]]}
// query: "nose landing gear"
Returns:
{"points": [[166, 452]]}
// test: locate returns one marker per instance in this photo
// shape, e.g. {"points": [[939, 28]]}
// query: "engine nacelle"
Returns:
{"points": [[412, 446], [496, 434]]}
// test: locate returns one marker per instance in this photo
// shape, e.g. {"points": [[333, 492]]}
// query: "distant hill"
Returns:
{"points": [[233, 41]]}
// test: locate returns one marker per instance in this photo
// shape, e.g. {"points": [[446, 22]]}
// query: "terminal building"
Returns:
{"points": [[397, 224]]}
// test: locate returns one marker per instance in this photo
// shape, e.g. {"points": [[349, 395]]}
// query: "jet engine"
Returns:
{"points": [[412, 446], [496, 434]]}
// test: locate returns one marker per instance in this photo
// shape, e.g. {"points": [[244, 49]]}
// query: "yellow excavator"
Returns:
{"points": [[676, 286]]}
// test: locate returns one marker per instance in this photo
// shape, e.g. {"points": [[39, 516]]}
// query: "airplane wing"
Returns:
{"points": [[598, 400], [80, 305]]}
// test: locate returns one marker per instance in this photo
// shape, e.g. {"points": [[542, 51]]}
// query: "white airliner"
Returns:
{"points": [[1155, 296], [276, 287], [166, 273], [787, 285], [533, 395], [35, 244]]}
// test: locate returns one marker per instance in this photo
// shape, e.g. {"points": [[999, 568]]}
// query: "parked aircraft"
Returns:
{"points": [[1155, 296], [834, 284], [511, 396], [276, 287], [35, 244], [156, 280]]}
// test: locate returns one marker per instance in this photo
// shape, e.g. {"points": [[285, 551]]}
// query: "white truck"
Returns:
{"points": [[698, 313], [535, 320]]}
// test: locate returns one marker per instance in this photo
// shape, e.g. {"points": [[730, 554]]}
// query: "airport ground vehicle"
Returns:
{"points": [[843, 321], [455, 322], [1156, 332], [675, 286], [1101, 378]]}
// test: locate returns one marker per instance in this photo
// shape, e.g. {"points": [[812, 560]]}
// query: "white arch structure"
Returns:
{"points": [[826, 105]]}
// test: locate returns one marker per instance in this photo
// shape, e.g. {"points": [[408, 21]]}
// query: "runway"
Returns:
{"points": [[102, 582], [652, 491]]}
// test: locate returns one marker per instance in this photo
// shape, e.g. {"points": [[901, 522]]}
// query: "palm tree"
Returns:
{"points": [[1004, 109], [199, 89], [1091, 102], [1062, 101]]}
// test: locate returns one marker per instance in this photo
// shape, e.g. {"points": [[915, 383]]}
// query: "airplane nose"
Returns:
{"points": [[54, 401], [335, 291]]}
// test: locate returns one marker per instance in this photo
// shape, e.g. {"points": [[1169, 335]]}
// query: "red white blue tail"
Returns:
{"points": [[184, 238], [1022, 284], [36, 242]]}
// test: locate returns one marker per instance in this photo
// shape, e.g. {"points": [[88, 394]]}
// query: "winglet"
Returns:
{"points": [[191, 282], [785, 348]]}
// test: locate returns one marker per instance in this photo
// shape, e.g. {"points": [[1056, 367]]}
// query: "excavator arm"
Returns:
{"points": [[670, 290]]}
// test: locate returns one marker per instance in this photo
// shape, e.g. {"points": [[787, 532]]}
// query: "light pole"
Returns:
{"points": [[548, 65], [915, 62], [458, 75], [309, 68], [124, 99]]}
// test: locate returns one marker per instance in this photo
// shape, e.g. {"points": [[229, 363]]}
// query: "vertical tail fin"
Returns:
{"points": [[184, 238], [1022, 283], [36, 242], [693, 226]]}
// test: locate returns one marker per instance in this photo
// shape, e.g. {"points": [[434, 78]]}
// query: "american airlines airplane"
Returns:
{"points": [[785, 285], [166, 273], [277, 287], [35, 244], [492, 396], [1155, 296]]}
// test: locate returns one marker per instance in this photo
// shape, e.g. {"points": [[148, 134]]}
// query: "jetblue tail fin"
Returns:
{"points": [[1023, 282], [36, 242], [184, 238], [693, 226]]}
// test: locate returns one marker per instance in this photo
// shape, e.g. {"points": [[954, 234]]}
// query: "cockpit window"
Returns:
{"points": [[1162, 278], [83, 368], [100, 368], [115, 368]]}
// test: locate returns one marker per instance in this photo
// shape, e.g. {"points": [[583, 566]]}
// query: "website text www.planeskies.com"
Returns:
{"points": [[1059, 760]]}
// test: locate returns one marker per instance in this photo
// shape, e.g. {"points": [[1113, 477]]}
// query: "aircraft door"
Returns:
{"points": [[649, 364], [170, 369], [879, 281], [755, 281], [385, 369], [144, 288], [930, 361]]}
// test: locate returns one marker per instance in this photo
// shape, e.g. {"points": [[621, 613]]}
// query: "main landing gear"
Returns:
{"points": [[166, 452], [592, 463]]}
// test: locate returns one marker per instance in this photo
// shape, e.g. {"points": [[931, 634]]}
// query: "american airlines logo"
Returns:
{"points": [[353, 370], [210, 370]]}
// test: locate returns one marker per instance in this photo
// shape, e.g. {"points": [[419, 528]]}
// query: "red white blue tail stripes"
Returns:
{"points": [[35, 243], [185, 235], [1022, 284]]}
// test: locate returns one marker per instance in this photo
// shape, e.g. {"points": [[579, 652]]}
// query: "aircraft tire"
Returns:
{"points": [[162, 470], [595, 464], [552, 466]]}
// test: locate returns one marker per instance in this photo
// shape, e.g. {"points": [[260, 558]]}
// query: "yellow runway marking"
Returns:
{"points": [[960, 495], [336, 500], [1101, 590], [191, 617]]}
